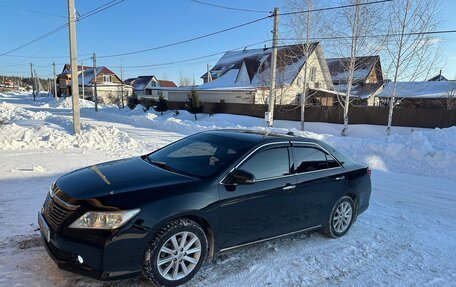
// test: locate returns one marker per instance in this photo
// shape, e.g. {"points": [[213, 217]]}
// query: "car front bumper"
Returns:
{"points": [[98, 263]]}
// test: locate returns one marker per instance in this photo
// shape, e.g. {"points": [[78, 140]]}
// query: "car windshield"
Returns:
{"points": [[200, 155]]}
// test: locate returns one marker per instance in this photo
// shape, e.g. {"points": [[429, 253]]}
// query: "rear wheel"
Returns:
{"points": [[176, 253], [341, 218]]}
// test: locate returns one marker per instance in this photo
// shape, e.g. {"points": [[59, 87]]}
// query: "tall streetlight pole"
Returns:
{"points": [[74, 67]]}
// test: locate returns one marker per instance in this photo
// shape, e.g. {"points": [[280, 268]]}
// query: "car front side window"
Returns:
{"points": [[267, 164]]}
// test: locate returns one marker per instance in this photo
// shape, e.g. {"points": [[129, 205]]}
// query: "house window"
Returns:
{"points": [[313, 73], [106, 78], [153, 84]]}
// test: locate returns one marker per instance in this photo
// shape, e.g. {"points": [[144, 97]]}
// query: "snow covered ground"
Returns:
{"points": [[406, 238]]}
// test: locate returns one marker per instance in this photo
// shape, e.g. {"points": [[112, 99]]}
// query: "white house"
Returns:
{"points": [[150, 86], [244, 76]]}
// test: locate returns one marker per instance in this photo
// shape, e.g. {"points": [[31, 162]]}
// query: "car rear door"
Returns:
{"points": [[263, 209], [320, 183]]}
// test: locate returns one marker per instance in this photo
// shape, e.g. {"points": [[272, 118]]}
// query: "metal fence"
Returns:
{"points": [[407, 117]]}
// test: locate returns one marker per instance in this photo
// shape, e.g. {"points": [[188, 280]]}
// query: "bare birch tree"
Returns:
{"points": [[412, 52], [305, 28], [183, 80], [352, 27]]}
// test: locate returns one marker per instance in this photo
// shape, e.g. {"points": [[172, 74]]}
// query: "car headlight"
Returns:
{"points": [[104, 219]]}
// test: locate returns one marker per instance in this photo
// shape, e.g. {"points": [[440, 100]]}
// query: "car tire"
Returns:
{"points": [[341, 218], [175, 254]]}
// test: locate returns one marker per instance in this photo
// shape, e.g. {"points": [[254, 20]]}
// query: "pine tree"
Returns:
{"points": [[193, 104], [162, 105]]}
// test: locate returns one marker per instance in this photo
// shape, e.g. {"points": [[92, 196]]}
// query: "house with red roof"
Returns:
{"points": [[110, 88]]}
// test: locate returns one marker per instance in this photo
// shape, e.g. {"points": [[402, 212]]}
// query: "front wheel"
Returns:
{"points": [[176, 253], [341, 218]]}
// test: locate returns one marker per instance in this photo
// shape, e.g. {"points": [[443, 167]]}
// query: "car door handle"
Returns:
{"points": [[340, 177], [289, 187]]}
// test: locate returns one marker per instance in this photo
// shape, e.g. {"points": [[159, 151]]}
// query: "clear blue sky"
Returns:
{"points": [[141, 24]]}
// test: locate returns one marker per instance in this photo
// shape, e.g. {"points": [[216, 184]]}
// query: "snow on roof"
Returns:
{"points": [[141, 82], [89, 76], [227, 81], [362, 91], [290, 60], [427, 89], [363, 65]]}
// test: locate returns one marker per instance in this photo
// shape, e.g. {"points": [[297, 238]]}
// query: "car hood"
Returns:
{"points": [[116, 177]]}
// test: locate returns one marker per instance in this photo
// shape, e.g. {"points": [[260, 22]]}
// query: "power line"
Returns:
{"points": [[334, 7], [230, 8], [191, 59], [374, 35], [32, 11], [88, 14], [185, 41]]}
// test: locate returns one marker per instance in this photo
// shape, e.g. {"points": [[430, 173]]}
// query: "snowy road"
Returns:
{"points": [[406, 238]]}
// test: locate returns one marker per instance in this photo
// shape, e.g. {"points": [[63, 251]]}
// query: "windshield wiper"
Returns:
{"points": [[160, 164]]}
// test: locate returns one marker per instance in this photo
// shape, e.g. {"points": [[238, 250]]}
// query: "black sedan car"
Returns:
{"points": [[165, 213]]}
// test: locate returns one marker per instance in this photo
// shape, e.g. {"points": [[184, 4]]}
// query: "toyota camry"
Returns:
{"points": [[165, 213]]}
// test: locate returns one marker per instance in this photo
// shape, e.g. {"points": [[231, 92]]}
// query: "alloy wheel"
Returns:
{"points": [[342, 217], [179, 255]]}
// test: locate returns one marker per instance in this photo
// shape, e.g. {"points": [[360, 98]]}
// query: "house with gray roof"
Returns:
{"points": [[367, 78]]}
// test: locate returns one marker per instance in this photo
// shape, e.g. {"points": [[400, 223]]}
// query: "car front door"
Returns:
{"points": [[260, 210], [320, 183]]}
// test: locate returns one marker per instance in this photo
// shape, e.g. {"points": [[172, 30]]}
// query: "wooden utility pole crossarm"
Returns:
{"points": [[74, 67], [271, 100]]}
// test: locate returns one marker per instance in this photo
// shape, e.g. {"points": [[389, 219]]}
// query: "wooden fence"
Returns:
{"points": [[407, 117]]}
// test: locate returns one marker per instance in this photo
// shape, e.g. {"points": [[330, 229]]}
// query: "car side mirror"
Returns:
{"points": [[239, 176]]}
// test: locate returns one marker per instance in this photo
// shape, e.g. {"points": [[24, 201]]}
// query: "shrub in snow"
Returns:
{"points": [[193, 104], [132, 102], [162, 105]]}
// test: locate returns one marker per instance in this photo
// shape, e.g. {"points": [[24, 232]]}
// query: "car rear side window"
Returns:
{"points": [[269, 163], [308, 159]]}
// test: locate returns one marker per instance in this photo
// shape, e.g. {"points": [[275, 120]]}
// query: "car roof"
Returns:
{"points": [[257, 136]]}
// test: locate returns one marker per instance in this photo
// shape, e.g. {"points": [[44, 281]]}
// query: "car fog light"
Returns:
{"points": [[80, 259]]}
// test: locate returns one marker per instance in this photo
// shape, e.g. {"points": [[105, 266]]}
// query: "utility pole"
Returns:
{"points": [[37, 84], [95, 94], [270, 115], [82, 78], [55, 80], [33, 81], [74, 67], [122, 92]]}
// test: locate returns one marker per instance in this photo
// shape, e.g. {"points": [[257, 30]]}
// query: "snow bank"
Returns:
{"points": [[428, 153], [421, 152], [10, 112], [25, 129], [67, 103], [13, 137]]}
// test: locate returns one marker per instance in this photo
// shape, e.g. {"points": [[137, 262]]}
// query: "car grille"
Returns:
{"points": [[54, 212]]}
